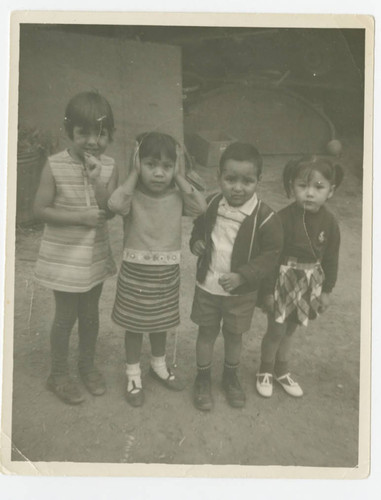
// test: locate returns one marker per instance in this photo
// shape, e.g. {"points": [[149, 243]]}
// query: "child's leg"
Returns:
{"points": [[269, 348], [280, 364], [133, 347], [88, 326], [270, 344], [158, 342], [205, 343], [159, 368], [204, 352], [282, 355], [233, 390], [65, 316]]}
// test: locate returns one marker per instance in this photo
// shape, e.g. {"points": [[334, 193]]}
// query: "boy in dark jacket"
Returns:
{"points": [[238, 241]]}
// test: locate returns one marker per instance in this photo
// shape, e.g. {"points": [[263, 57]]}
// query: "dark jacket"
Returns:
{"points": [[256, 248], [309, 237]]}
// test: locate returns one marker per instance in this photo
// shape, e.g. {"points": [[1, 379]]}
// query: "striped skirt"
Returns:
{"points": [[147, 298]]}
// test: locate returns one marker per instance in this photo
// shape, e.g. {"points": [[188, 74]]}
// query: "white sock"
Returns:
{"points": [[134, 380], [159, 366]]}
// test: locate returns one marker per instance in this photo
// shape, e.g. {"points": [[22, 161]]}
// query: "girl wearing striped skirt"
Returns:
{"points": [[152, 200], [308, 267]]}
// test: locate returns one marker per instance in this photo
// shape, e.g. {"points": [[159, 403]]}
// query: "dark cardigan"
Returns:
{"points": [[256, 248]]}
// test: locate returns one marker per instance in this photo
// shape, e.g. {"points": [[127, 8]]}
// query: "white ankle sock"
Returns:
{"points": [[159, 366], [134, 380]]}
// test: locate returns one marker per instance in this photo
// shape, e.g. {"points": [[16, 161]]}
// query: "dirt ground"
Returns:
{"points": [[320, 429]]}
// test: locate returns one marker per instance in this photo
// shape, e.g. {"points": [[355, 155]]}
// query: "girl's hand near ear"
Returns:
{"points": [[136, 159], [180, 162], [199, 248]]}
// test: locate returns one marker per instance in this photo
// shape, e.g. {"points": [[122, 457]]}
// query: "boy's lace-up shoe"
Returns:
{"points": [[233, 390], [290, 386], [65, 388], [202, 393], [264, 384]]}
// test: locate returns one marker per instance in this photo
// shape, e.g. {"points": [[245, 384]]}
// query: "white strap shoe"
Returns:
{"points": [[290, 386], [264, 384]]}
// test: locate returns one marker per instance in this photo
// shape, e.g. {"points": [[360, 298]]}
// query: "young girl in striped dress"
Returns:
{"points": [[75, 256], [152, 200], [308, 267]]}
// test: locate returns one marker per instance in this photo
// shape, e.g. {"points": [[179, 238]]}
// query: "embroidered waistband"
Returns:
{"points": [[151, 258]]}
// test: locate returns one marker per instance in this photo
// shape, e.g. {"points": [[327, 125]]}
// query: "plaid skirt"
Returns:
{"points": [[147, 298], [297, 292]]}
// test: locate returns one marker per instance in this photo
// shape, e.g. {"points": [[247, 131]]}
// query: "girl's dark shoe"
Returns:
{"points": [[135, 397], [93, 381], [66, 389], [171, 382], [233, 390], [202, 393]]}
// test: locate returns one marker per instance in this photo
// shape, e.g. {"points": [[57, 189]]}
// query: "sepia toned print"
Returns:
{"points": [[293, 87]]}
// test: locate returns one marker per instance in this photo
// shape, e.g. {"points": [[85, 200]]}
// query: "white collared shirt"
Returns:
{"points": [[228, 222]]}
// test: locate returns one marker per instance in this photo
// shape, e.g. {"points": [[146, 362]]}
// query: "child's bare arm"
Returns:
{"points": [[120, 200], [194, 201], [102, 191], [45, 211], [198, 247]]}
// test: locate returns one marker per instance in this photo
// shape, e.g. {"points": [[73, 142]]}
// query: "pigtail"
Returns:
{"points": [[289, 175], [338, 174]]}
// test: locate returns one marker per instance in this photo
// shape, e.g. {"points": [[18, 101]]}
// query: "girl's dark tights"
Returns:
{"points": [[70, 307], [276, 345]]}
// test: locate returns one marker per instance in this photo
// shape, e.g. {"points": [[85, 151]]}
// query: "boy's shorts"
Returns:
{"points": [[236, 311]]}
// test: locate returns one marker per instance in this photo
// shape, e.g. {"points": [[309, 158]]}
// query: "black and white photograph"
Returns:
{"points": [[163, 168]]}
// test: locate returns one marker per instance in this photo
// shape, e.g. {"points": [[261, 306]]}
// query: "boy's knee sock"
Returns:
{"points": [[134, 380], [159, 366], [230, 370], [204, 371]]}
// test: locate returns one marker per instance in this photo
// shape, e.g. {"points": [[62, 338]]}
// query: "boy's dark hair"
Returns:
{"points": [[305, 165], [155, 144], [242, 151], [89, 110]]}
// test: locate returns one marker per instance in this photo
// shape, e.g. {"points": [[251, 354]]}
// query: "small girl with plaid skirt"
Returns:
{"points": [[307, 270], [152, 201]]}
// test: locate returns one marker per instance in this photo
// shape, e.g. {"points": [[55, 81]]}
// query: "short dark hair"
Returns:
{"points": [[305, 165], [155, 144], [89, 110], [242, 151]]}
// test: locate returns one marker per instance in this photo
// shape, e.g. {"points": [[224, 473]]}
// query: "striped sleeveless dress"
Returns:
{"points": [[74, 258]]}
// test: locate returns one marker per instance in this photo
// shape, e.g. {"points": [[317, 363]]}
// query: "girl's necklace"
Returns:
{"points": [[308, 236]]}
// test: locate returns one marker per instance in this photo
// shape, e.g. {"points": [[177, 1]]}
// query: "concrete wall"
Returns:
{"points": [[142, 82]]}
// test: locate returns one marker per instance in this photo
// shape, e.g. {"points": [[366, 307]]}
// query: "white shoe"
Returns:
{"points": [[290, 386], [265, 384]]}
